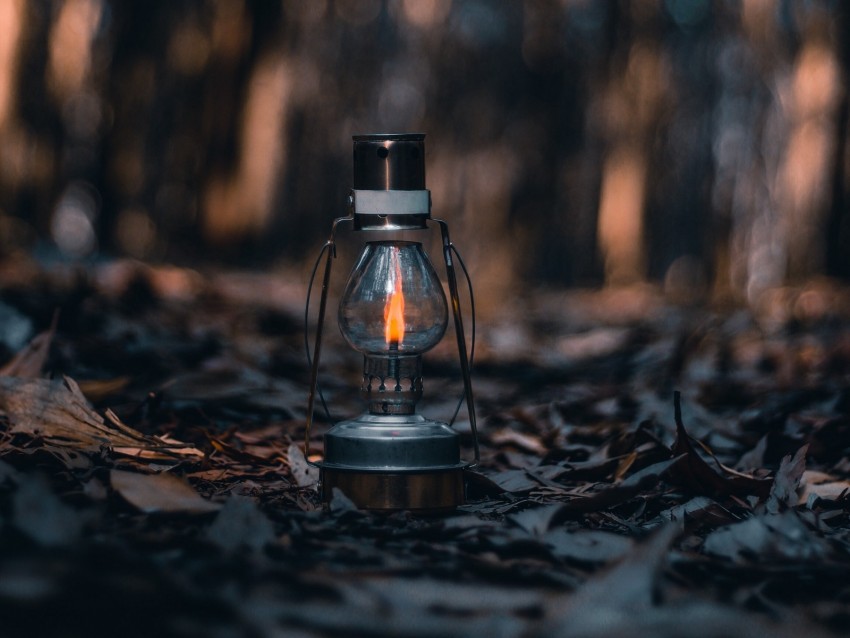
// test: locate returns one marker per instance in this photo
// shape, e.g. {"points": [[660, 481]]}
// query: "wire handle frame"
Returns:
{"points": [[328, 246], [472, 335], [448, 250], [330, 249], [449, 253]]}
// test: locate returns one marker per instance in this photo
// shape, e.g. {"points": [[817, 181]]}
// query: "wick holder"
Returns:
{"points": [[392, 384]]}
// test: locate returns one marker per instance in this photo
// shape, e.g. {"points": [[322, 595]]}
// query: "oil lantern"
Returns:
{"points": [[392, 311]]}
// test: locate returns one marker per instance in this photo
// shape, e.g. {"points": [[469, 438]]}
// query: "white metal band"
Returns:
{"points": [[392, 202]]}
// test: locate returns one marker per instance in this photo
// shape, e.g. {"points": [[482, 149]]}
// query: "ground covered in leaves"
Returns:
{"points": [[648, 468]]}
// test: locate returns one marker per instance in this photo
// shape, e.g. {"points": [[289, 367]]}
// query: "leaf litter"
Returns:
{"points": [[157, 456]]}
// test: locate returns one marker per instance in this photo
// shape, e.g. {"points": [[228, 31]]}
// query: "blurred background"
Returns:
{"points": [[697, 145]]}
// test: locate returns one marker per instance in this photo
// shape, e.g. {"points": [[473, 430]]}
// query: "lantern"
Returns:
{"points": [[393, 310]]}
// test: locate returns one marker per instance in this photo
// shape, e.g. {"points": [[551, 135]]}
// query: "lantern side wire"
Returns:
{"points": [[325, 248], [472, 333]]}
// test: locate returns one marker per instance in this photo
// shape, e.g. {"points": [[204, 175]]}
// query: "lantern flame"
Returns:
{"points": [[394, 310]]}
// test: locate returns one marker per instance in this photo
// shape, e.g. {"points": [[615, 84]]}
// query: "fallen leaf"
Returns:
{"points": [[41, 515], [304, 474], [626, 589], [782, 537], [514, 481], [29, 362], [340, 503], [160, 493], [819, 485], [699, 508], [507, 436], [588, 546], [99, 389], [536, 520], [621, 492], [167, 450], [693, 472], [240, 523], [57, 412], [237, 455], [787, 480], [624, 465], [231, 382]]}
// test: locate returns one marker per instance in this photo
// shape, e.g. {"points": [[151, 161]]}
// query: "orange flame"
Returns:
{"points": [[394, 310]]}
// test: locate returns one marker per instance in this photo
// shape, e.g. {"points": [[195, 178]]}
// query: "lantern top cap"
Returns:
{"points": [[389, 137], [389, 161]]}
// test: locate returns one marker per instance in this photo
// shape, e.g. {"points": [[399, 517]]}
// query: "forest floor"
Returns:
{"points": [[152, 481]]}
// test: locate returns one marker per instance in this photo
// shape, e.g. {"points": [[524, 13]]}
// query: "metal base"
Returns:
{"points": [[440, 490], [385, 443]]}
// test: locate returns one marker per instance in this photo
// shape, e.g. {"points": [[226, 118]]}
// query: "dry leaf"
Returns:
{"points": [[506, 436], [30, 361], [694, 473], [160, 493], [98, 389], [786, 482], [41, 515], [54, 410], [241, 524], [625, 465], [822, 486], [57, 412], [304, 474]]}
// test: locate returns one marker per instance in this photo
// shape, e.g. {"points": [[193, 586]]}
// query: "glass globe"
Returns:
{"points": [[393, 301]]}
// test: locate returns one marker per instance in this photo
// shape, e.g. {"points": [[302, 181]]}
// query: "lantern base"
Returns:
{"points": [[436, 490]]}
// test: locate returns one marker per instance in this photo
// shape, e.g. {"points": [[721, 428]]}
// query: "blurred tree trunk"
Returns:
{"points": [[838, 227], [578, 141]]}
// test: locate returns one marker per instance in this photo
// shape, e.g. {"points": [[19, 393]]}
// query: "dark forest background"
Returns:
{"points": [[700, 145]]}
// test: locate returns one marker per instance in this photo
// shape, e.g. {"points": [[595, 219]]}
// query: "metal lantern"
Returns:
{"points": [[393, 310]]}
